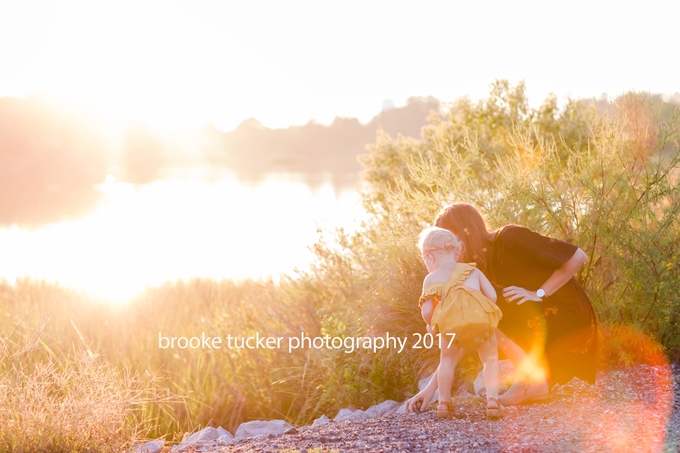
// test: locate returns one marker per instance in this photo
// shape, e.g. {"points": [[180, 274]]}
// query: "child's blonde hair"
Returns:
{"points": [[433, 238]]}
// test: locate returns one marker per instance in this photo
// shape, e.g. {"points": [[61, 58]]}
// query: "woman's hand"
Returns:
{"points": [[420, 401], [521, 295], [558, 278]]}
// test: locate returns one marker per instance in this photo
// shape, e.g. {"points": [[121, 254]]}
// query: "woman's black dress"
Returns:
{"points": [[563, 327]]}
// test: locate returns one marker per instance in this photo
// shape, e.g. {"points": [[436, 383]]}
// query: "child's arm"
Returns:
{"points": [[486, 287], [427, 305], [426, 310], [422, 399]]}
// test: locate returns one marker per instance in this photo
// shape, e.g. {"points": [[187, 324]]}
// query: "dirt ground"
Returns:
{"points": [[632, 409]]}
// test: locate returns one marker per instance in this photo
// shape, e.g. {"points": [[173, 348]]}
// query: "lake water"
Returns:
{"points": [[182, 227]]}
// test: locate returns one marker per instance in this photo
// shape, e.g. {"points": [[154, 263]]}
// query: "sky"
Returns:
{"points": [[179, 64]]}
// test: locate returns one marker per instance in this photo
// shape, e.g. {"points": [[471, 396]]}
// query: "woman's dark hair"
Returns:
{"points": [[466, 222]]}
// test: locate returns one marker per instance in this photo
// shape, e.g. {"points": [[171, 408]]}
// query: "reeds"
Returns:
{"points": [[70, 402]]}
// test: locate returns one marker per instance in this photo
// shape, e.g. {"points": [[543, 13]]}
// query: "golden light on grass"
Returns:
{"points": [[72, 401]]}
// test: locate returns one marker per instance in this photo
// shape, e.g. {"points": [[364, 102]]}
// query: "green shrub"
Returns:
{"points": [[604, 180]]}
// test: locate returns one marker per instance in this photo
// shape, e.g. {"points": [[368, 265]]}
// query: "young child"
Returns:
{"points": [[458, 299]]}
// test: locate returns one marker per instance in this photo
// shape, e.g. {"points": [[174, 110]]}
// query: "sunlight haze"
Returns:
{"points": [[182, 64], [150, 141]]}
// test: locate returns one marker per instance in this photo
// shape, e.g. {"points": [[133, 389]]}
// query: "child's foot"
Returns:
{"points": [[494, 410], [445, 409]]}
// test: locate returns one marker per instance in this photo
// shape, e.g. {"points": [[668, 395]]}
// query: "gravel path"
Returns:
{"points": [[635, 409]]}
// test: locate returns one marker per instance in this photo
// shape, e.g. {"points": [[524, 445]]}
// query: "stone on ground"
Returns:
{"points": [[261, 428], [384, 408], [321, 421], [149, 447], [203, 439]]}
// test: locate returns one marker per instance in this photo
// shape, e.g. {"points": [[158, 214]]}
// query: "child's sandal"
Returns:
{"points": [[445, 409], [494, 411]]}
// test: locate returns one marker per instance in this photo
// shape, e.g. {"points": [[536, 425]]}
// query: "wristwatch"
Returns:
{"points": [[540, 293]]}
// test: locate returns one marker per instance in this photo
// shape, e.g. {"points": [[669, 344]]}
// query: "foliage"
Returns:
{"points": [[605, 179]]}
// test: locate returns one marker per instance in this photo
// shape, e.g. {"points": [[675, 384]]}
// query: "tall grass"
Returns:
{"points": [[68, 402], [606, 180], [221, 386]]}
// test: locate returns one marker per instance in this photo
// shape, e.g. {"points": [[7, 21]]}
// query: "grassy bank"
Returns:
{"points": [[605, 179]]}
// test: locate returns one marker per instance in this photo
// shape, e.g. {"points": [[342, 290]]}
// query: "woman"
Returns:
{"points": [[545, 311]]}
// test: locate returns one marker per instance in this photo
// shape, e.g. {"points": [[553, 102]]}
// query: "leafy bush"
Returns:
{"points": [[605, 179]]}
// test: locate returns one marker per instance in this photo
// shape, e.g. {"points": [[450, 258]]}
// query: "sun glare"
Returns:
{"points": [[151, 62], [179, 229]]}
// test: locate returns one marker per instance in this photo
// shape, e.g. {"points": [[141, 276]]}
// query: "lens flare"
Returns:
{"points": [[628, 409]]}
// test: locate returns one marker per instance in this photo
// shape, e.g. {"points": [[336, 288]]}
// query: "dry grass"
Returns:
{"points": [[220, 387], [68, 403], [621, 345]]}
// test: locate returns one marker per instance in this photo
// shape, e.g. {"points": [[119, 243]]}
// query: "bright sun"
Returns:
{"points": [[179, 229], [148, 62]]}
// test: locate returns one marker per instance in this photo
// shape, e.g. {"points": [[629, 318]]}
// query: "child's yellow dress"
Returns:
{"points": [[462, 310]]}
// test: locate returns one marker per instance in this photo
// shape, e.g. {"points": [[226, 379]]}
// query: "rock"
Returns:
{"points": [[227, 438], [223, 432], [291, 431], [206, 435], [423, 383], [384, 408], [203, 438], [261, 428], [350, 414], [506, 374], [321, 421], [150, 447]]}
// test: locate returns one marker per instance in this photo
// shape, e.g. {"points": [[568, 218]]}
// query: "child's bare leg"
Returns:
{"points": [[449, 358], [488, 354]]}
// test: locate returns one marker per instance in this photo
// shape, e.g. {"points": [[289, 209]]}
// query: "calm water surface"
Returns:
{"points": [[179, 228]]}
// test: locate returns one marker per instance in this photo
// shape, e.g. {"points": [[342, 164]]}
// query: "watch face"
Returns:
{"points": [[540, 293]]}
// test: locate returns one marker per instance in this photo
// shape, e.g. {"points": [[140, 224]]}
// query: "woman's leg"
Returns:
{"points": [[530, 383], [525, 366], [516, 354]]}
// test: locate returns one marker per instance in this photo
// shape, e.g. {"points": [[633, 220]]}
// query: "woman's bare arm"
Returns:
{"points": [[552, 284]]}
